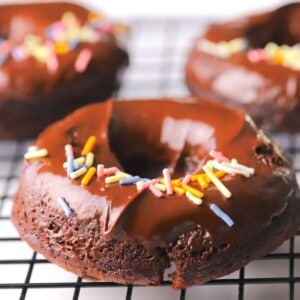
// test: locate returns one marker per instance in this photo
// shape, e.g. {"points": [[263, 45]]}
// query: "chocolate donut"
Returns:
{"points": [[252, 63], [232, 196], [54, 57]]}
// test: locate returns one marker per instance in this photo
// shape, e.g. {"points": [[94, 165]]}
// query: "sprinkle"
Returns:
{"points": [[167, 177], [130, 180], [221, 187], [178, 190], [116, 178], [233, 168], [19, 53], [257, 55], [155, 191], [61, 48], [78, 173], [175, 182], [89, 145], [110, 171], [160, 186], [52, 64], [186, 179], [202, 181], [192, 190], [221, 214], [100, 168], [32, 148], [142, 185], [79, 160], [218, 156], [89, 159], [193, 198], [69, 150], [70, 167], [83, 60], [123, 174], [36, 154], [65, 206], [88, 176]]}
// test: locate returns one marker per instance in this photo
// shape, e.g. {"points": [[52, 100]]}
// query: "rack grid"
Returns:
{"points": [[158, 51]]}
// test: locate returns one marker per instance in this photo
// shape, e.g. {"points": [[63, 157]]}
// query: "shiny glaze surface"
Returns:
{"points": [[147, 136], [23, 79], [269, 92]]}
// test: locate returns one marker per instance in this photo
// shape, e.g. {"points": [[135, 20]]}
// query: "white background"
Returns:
{"points": [[174, 8]]}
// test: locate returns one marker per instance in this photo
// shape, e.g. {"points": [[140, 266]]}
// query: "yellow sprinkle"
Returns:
{"points": [[36, 154], [79, 160], [220, 186], [126, 175], [121, 28], [160, 186], [192, 190], [88, 176], [78, 173], [89, 160], [41, 53], [116, 178], [202, 181], [178, 190], [193, 198], [195, 177], [68, 16], [89, 145], [61, 48], [176, 182]]}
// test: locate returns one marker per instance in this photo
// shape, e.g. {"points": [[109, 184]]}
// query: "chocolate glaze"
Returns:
{"points": [[269, 92], [175, 133], [32, 96]]}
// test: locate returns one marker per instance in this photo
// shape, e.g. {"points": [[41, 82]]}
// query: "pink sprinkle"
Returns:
{"points": [[107, 27], [186, 178], [6, 46], [100, 169], [52, 63], [110, 171], [218, 156], [256, 55], [69, 150], [155, 191], [32, 148], [83, 60], [167, 177], [142, 185]]}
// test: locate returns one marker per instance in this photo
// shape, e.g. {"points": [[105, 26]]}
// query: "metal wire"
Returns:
{"points": [[158, 50]]}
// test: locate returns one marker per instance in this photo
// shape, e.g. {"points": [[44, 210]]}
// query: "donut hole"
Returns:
{"points": [[282, 27], [137, 154]]}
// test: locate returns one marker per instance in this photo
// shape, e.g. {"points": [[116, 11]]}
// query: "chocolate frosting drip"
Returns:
{"points": [[269, 92], [142, 137]]}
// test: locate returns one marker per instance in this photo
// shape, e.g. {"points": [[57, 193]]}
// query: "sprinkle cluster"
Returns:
{"points": [[288, 56], [60, 38], [193, 186]]}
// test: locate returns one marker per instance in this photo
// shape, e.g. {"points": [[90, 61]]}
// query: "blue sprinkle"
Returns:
{"points": [[70, 167], [73, 44], [3, 58], [130, 180], [65, 206], [16, 54], [220, 213]]}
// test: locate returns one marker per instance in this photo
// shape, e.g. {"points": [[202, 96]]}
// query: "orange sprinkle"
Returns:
{"points": [[61, 48], [220, 174], [192, 190], [89, 145], [202, 180], [178, 190], [88, 176]]}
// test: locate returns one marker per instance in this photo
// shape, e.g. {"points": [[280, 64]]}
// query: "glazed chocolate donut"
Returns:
{"points": [[209, 192], [240, 63], [54, 57]]}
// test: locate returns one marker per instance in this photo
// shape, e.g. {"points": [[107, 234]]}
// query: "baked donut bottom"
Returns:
{"points": [[118, 233], [266, 86]]}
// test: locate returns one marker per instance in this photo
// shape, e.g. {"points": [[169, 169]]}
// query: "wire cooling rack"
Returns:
{"points": [[158, 51]]}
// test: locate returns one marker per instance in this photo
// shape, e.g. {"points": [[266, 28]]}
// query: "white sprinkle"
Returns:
{"points": [[193, 198], [36, 154], [78, 173]]}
